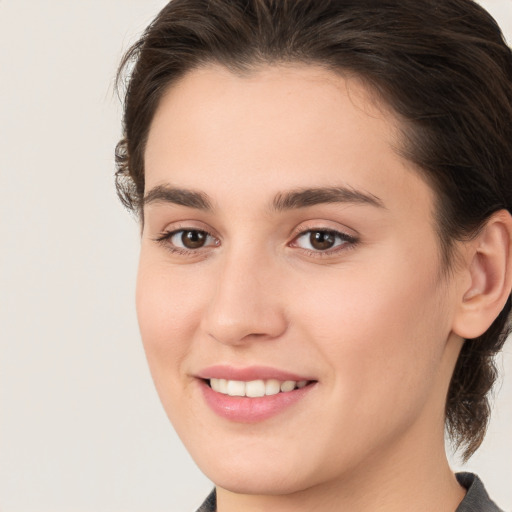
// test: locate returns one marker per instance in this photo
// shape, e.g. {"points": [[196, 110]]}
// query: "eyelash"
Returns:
{"points": [[349, 242], [165, 237]]}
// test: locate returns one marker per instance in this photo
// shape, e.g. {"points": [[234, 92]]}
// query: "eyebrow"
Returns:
{"points": [[294, 199], [304, 198], [179, 196]]}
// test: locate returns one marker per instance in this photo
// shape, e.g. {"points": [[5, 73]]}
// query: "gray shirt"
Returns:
{"points": [[476, 499]]}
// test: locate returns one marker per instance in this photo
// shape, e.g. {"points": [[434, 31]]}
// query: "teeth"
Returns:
{"points": [[236, 388], [288, 385], [223, 386], [255, 388], [220, 385], [272, 387]]}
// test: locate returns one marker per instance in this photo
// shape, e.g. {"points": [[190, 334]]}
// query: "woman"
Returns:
{"points": [[325, 272]]}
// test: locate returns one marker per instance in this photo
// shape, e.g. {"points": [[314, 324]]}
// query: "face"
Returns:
{"points": [[290, 295]]}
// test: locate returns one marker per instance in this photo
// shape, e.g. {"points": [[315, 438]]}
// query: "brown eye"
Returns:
{"points": [[322, 240], [193, 239], [187, 240]]}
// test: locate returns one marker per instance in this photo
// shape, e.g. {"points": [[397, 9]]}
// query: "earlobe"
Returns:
{"points": [[489, 272]]}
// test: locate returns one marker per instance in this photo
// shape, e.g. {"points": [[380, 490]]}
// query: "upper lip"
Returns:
{"points": [[249, 373]]}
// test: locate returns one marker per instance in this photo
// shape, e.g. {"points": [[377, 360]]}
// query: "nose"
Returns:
{"points": [[246, 303]]}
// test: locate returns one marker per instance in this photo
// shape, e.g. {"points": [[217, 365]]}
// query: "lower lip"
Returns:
{"points": [[251, 410]]}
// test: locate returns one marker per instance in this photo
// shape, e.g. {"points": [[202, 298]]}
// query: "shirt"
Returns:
{"points": [[476, 499]]}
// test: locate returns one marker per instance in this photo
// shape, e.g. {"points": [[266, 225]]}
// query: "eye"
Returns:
{"points": [[322, 240], [186, 240]]}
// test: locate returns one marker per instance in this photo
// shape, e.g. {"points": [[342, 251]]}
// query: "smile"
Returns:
{"points": [[255, 388], [253, 394]]}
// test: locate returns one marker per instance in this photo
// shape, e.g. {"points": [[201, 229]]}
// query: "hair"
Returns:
{"points": [[441, 65]]}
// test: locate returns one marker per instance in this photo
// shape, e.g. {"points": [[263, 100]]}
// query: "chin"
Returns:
{"points": [[258, 482], [261, 472]]}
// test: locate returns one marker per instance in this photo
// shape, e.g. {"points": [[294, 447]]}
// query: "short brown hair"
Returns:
{"points": [[442, 65]]}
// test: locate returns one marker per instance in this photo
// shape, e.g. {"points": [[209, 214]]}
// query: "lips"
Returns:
{"points": [[252, 394]]}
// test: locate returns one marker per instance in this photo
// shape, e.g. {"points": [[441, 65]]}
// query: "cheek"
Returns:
{"points": [[166, 318], [382, 328], [383, 341]]}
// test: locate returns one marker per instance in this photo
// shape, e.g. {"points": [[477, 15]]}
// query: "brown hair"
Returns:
{"points": [[442, 65]]}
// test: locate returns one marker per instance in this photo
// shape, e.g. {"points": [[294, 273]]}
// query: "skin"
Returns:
{"points": [[372, 320]]}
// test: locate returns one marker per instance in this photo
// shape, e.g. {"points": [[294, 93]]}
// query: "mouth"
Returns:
{"points": [[255, 388], [253, 394]]}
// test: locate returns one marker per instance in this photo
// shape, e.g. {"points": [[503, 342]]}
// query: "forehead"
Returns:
{"points": [[278, 127]]}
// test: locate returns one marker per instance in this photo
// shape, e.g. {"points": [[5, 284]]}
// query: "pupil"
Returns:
{"points": [[193, 239], [322, 240]]}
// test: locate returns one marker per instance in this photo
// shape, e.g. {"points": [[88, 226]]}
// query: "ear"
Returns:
{"points": [[487, 277]]}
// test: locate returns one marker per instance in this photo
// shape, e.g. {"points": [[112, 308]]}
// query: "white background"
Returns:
{"points": [[81, 428]]}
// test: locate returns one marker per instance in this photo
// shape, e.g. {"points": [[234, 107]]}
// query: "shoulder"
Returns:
{"points": [[477, 499]]}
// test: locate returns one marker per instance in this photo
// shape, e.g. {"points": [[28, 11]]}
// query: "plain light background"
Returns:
{"points": [[81, 427]]}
